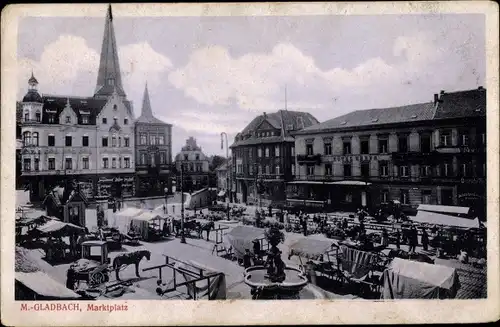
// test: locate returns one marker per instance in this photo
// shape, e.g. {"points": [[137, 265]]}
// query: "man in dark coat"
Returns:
{"points": [[413, 239], [425, 239]]}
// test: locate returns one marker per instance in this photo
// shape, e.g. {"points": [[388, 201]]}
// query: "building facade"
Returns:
{"points": [[224, 177], [86, 139], [153, 139], [428, 153], [264, 151], [194, 165]]}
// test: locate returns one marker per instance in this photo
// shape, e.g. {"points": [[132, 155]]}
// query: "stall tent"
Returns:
{"points": [[445, 220], [124, 217], [405, 279], [241, 238]]}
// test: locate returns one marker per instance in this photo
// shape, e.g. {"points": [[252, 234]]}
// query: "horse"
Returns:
{"points": [[189, 225], [128, 259], [205, 226]]}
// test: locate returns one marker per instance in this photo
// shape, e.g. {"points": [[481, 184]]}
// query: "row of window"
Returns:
{"points": [[33, 139], [403, 143], [68, 163], [186, 157], [68, 120], [262, 169], [192, 167], [143, 159], [158, 139], [425, 196], [466, 169]]}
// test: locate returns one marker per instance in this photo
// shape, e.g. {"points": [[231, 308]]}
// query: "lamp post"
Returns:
{"points": [[227, 169], [183, 237]]}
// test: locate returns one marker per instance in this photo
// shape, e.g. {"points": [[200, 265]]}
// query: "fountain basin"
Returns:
{"points": [[294, 282]]}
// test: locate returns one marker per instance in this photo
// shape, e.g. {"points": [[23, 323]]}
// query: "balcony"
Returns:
{"points": [[271, 176], [317, 178], [309, 158], [455, 149]]}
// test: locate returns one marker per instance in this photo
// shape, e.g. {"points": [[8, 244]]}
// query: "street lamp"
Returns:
{"points": [[183, 237], [227, 168]]}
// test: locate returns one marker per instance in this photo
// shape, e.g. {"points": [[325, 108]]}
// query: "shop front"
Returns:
{"points": [[474, 197]]}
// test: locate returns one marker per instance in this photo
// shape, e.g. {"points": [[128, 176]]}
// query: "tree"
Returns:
{"points": [[216, 162]]}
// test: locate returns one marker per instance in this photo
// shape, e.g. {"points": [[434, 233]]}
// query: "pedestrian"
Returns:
{"points": [[304, 225], [425, 239], [344, 223], [173, 208], [385, 238], [398, 239], [413, 239], [247, 257]]}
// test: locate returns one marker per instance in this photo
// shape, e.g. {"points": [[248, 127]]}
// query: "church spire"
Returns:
{"points": [[109, 75], [146, 111]]}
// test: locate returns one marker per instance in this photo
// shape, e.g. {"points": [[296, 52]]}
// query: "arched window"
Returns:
{"points": [[26, 138], [35, 139]]}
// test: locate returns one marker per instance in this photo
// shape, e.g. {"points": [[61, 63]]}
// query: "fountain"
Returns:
{"points": [[274, 280]]}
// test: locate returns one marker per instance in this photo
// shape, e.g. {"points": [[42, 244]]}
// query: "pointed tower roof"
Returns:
{"points": [[146, 112], [109, 75]]}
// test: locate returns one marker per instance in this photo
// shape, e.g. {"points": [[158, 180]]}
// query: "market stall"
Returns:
{"points": [[242, 237], [149, 225], [321, 256], [405, 279], [124, 217]]}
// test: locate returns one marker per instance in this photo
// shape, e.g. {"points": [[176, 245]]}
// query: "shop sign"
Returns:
{"points": [[355, 158], [469, 196]]}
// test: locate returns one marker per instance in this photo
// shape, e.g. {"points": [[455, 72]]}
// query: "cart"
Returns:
{"points": [[93, 269]]}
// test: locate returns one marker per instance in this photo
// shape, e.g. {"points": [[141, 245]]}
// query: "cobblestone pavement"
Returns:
{"points": [[473, 280]]}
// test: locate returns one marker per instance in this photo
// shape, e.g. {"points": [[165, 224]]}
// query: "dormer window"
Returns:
{"points": [[111, 81], [104, 120], [115, 107], [68, 120], [300, 122], [85, 119]]}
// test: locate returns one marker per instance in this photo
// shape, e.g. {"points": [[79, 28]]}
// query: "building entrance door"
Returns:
{"points": [[363, 199]]}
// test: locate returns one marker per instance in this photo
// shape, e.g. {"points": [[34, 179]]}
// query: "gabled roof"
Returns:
{"points": [[283, 120], [276, 119], [462, 104], [80, 105], [373, 117]]}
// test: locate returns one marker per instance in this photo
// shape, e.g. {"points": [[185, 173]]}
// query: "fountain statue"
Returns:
{"points": [[274, 280]]}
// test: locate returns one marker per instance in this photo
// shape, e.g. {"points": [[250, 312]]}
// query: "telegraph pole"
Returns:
{"points": [[227, 170], [183, 237]]}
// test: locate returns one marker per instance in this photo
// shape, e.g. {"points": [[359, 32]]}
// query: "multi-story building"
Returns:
{"points": [[428, 153], [264, 150], [153, 139], [195, 166], [224, 178], [88, 139]]}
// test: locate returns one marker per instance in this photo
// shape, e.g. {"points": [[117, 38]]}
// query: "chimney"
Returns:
{"points": [[436, 98], [442, 92], [264, 114], [480, 88]]}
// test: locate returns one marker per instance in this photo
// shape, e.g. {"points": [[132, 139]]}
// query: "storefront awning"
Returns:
{"points": [[353, 183], [445, 220], [306, 182], [444, 209]]}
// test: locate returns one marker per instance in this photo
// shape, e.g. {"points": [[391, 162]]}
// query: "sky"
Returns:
{"points": [[208, 75]]}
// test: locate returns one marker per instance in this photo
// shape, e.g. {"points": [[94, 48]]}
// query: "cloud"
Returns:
{"points": [[63, 63], [69, 64], [257, 80]]}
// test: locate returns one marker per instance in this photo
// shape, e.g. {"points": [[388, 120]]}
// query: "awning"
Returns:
{"points": [[352, 183], [444, 209], [221, 193], [55, 226], [310, 248], [148, 216], [405, 279], [446, 220], [306, 182], [42, 284]]}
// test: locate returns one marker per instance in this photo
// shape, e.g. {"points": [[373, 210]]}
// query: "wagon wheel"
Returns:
{"points": [[97, 278]]}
